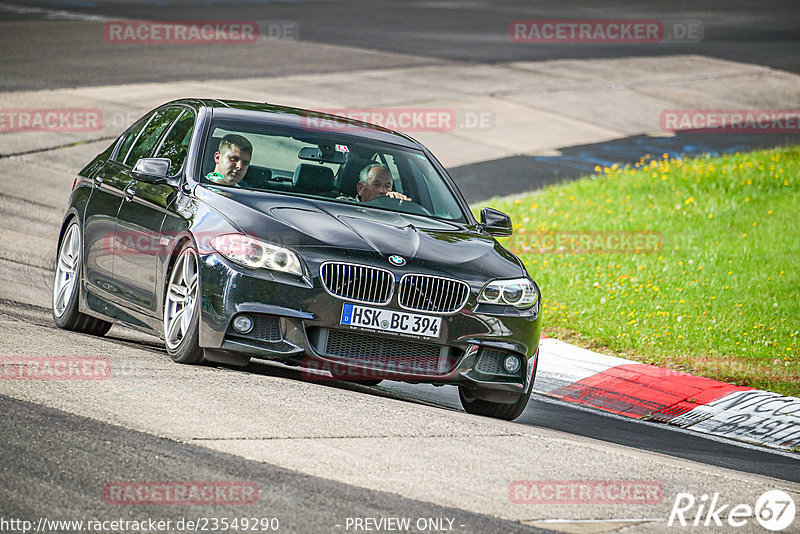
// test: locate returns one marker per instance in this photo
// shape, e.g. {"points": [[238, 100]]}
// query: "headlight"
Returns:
{"points": [[256, 254], [519, 292]]}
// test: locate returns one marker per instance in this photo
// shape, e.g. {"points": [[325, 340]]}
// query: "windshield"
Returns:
{"points": [[325, 165]]}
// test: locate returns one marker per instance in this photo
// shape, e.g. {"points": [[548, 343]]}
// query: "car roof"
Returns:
{"points": [[298, 118]]}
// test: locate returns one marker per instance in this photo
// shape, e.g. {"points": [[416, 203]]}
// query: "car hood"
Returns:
{"points": [[301, 223]]}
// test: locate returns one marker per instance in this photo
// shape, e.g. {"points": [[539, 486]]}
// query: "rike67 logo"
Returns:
{"points": [[774, 510]]}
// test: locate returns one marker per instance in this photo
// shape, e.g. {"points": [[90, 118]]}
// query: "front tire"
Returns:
{"points": [[66, 286], [498, 410], [181, 308], [370, 383]]}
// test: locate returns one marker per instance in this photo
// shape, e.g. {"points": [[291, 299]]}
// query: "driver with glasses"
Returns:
{"points": [[375, 180]]}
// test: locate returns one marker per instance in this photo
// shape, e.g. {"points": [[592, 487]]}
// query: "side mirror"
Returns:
{"points": [[152, 169], [496, 222]]}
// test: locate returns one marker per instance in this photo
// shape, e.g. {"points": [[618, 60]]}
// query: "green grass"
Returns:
{"points": [[720, 294]]}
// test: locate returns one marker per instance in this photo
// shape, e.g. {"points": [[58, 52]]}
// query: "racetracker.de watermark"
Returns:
{"points": [[586, 242], [54, 368], [50, 120], [731, 120], [605, 31], [198, 31], [180, 493], [401, 119], [585, 492], [133, 243]]}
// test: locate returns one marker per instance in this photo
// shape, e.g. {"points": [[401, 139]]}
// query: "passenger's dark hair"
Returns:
{"points": [[236, 140]]}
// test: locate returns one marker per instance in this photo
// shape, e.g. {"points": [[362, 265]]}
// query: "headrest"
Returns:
{"points": [[349, 174], [258, 177], [310, 178]]}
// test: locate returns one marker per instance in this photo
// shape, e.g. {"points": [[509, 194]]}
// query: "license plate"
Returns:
{"points": [[395, 322]]}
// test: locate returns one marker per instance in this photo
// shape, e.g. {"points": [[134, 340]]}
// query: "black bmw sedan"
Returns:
{"points": [[239, 230]]}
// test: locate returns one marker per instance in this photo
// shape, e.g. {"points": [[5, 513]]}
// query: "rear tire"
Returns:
{"points": [[181, 308], [66, 287], [476, 406]]}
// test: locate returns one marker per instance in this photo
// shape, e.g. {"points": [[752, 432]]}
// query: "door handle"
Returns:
{"points": [[98, 179], [130, 192]]}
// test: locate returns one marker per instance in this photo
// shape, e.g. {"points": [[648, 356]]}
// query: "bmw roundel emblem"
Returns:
{"points": [[397, 260]]}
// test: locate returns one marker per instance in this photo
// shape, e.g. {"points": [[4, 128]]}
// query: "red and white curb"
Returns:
{"points": [[644, 391]]}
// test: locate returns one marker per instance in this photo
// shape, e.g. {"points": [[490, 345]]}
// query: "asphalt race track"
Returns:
{"points": [[412, 32], [89, 453], [324, 453]]}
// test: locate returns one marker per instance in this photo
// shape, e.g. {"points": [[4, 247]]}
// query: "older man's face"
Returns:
{"points": [[379, 183]]}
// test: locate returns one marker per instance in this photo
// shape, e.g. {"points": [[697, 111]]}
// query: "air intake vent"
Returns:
{"points": [[390, 355], [266, 328], [491, 362]]}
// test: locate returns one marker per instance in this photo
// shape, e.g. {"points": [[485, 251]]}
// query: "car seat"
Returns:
{"points": [[312, 179]]}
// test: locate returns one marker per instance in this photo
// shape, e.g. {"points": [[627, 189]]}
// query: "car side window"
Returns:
{"points": [[151, 134], [390, 162], [129, 138], [176, 143]]}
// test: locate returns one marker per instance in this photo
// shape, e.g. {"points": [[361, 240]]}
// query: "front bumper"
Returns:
{"points": [[297, 322]]}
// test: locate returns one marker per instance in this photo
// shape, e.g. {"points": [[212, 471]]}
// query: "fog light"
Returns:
{"points": [[243, 324], [511, 364]]}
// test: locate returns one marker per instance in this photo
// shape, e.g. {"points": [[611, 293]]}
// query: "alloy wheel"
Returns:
{"points": [[181, 298], [66, 270]]}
